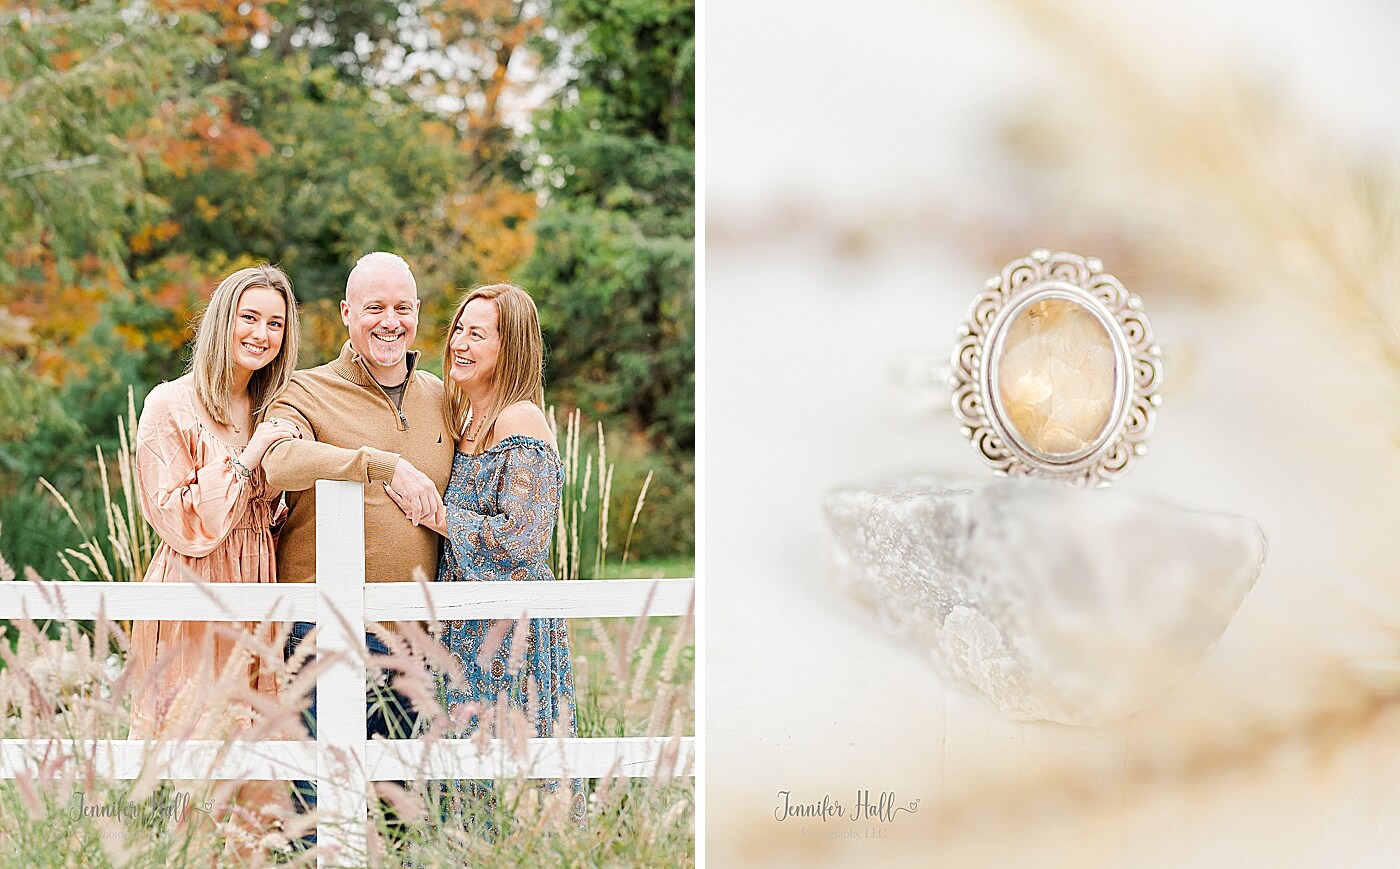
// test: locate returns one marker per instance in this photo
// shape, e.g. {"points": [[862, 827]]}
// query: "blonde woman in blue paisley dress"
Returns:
{"points": [[500, 507]]}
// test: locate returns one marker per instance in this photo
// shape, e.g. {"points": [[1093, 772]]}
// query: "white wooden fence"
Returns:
{"points": [[342, 759]]}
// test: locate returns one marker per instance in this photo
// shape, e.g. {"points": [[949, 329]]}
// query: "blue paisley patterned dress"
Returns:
{"points": [[501, 506]]}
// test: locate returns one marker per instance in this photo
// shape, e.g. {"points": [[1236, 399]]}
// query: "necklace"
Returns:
{"points": [[469, 436], [232, 415]]}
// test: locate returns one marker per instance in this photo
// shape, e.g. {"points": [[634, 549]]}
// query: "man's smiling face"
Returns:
{"points": [[381, 312]]}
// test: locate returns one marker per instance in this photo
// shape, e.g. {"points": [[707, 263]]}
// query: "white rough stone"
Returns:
{"points": [[1050, 602]]}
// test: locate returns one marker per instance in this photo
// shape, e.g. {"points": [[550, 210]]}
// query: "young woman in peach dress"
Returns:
{"points": [[198, 458]]}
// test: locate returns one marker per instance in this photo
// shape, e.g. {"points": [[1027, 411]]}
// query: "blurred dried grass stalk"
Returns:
{"points": [[1216, 184], [1063, 807], [1208, 184]]}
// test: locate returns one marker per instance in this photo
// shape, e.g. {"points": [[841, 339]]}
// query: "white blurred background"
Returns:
{"points": [[867, 166]]}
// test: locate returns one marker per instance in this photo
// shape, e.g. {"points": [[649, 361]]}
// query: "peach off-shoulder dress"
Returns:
{"points": [[214, 526]]}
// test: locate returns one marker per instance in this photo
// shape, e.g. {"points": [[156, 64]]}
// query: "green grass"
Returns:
{"points": [[607, 708], [680, 567]]}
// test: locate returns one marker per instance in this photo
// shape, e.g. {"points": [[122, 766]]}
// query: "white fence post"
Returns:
{"points": [[340, 689]]}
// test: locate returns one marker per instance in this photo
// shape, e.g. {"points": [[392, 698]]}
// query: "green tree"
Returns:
{"points": [[614, 259], [77, 87], [146, 150]]}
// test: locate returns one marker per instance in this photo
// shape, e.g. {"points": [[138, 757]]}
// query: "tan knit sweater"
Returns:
{"points": [[352, 431]]}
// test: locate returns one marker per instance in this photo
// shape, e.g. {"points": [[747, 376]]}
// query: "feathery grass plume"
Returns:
{"points": [[633, 639], [582, 509], [636, 512], [65, 688], [139, 531], [567, 555], [672, 693], [72, 517], [97, 552], [7, 573], [131, 537], [1244, 196], [578, 498], [616, 662], [641, 674], [605, 476], [515, 655], [520, 820], [564, 547], [125, 551]]}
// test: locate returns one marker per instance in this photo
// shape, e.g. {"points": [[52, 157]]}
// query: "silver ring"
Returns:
{"points": [[1055, 373]]}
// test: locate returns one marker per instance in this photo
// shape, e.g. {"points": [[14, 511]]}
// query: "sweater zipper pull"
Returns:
{"points": [[404, 395]]}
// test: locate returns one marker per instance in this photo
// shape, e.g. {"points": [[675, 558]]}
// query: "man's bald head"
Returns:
{"points": [[377, 266], [381, 313]]}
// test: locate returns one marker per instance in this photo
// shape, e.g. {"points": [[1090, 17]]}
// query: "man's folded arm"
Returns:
{"points": [[293, 470], [309, 460]]}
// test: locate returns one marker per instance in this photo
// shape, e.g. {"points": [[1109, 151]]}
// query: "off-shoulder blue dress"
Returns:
{"points": [[501, 507]]}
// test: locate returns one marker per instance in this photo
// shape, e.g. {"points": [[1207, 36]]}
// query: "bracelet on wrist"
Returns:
{"points": [[240, 468]]}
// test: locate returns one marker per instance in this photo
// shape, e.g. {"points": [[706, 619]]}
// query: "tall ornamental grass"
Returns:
{"points": [[69, 680]]}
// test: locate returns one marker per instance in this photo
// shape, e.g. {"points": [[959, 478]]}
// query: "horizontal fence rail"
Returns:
{"points": [[388, 601], [343, 760], [385, 759], [183, 601], [540, 600]]}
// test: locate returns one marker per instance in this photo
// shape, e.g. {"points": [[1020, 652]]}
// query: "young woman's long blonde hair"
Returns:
{"points": [[519, 374], [212, 364]]}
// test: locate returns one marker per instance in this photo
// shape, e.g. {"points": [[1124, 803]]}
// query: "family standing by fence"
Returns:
{"points": [[458, 482]]}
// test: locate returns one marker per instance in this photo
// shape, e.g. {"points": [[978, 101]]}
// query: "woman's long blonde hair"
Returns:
{"points": [[212, 364], [519, 374]]}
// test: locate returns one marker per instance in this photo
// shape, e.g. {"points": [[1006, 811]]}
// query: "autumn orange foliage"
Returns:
{"points": [[236, 25], [185, 139]]}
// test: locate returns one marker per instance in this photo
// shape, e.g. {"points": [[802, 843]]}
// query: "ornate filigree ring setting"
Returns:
{"points": [[1055, 373]]}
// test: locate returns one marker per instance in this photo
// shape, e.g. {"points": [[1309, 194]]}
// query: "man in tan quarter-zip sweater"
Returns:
{"points": [[372, 417]]}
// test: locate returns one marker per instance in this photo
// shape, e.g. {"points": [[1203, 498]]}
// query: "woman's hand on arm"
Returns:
{"points": [[437, 520], [265, 435]]}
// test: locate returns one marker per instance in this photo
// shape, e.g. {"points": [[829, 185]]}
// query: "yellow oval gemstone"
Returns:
{"points": [[1056, 377]]}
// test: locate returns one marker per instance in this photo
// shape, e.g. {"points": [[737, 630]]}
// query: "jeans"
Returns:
{"points": [[387, 713]]}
